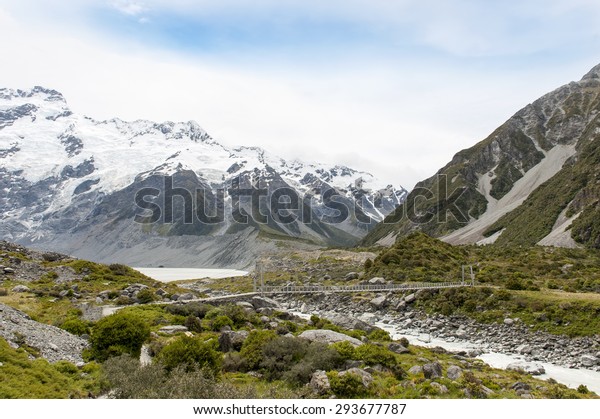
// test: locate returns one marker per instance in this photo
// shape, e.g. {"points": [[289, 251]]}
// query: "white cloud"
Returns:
{"points": [[399, 117], [127, 7]]}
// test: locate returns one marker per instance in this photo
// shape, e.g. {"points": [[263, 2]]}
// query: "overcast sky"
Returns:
{"points": [[395, 88]]}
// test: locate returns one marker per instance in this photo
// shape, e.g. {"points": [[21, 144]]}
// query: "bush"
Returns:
{"points": [[373, 355], [380, 335], [145, 296], [347, 386], [220, 322], [195, 309], [76, 326], [280, 354], [130, 381], [404, 342], [120, 333], [252, 348], [345, 349], [118, 269], [190, 354], [193, 324], [3, 292]]}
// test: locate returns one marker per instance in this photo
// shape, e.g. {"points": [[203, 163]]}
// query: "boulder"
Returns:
{"points": [[415, 370], [9, 271], [232, 341], [589, 360], [454, 372], [379, 302], [20, 288], [377, 281], [410, 298], [368, 318], [264, 302], [328, 337], [508, 322], [245, 305], [319, 382], [186, 297], [398, 348], [366, 378], [527, 368], [432, 370], [348, 322], [173, 329], [351, 276]]}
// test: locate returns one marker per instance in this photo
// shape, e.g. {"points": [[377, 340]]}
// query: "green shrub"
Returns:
{"points": [[145, 296], [3, 292], [76, 326], [373, 355], [379, 335], [347, 386], [344, 348], [404, 342], [220, 322], [131, 381], [118, 269], [252, 348], [191, 353], [120, 333], [193, 323], [195, 309]]}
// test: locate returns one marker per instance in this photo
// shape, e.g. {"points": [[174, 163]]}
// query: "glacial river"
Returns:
{"points": [[180, 274]]}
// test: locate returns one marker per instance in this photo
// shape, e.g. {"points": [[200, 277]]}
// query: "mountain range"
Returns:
{"points": [[534, 180], [147, 193]]}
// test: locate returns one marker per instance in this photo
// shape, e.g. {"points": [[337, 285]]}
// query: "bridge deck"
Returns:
{"points": [[407, 286]]}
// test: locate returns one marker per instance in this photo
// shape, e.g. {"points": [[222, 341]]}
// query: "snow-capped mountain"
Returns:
{"points": [[92, 188]]}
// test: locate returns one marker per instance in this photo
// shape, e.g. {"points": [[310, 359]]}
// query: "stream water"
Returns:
{"points": [[568, 376]]}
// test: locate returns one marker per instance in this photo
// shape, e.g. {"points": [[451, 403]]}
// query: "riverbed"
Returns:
{"points": [[182, 274], [571, 377]]}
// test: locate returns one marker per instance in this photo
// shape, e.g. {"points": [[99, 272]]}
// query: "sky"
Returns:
{"points": [[392, 87]]}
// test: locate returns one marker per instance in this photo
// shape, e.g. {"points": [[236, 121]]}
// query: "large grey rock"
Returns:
{"points": [[351, 276], [320, 383], [20, 288], [328, 337], [526, 367], [173, 329], [410, 298], [348, 322], [366, 378], [589, 360], [415, 370], [454, 372], [398, 348], [432, 370], [379, 302], [508, 322], [264, 302], [377, 281]]}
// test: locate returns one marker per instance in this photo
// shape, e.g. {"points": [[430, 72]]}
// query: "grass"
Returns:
{"points": [[23, 378]]}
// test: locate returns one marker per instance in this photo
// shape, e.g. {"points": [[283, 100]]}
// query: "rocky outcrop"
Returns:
{"points": [[54, 344], [328, 337]]}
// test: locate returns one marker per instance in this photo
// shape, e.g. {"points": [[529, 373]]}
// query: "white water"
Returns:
{"points": [[180, 274], [570, 377]]}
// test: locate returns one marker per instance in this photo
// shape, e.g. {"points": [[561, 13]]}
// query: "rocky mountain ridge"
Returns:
{"points": [[534, 180]]}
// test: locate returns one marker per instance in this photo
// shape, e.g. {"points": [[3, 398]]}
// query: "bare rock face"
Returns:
{"points": [[319, 382], [328, 337], [54, 344]]}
